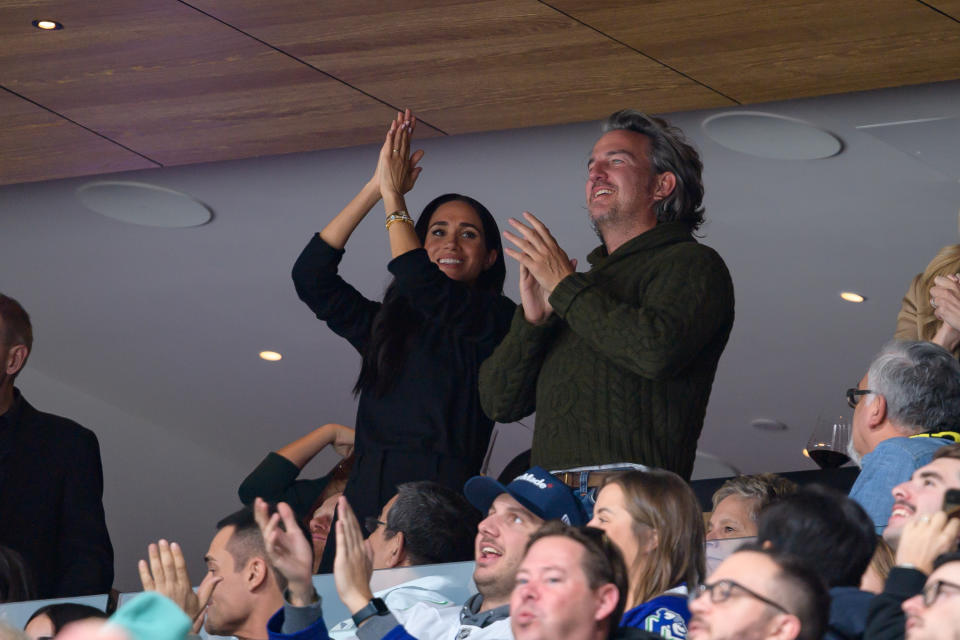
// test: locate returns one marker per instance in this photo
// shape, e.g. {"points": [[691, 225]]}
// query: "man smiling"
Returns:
{"points": [[618, 361], [513, 513], [923, 494]]}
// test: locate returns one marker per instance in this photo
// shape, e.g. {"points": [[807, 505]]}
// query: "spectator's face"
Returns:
{"points": [[940, 620], [921, 495], [320, 527], [741, 616], [610, 514], [552, 599], [731, 519], [455, 242], [620, 182], [501, 539], [229, 605], [382, 548]]}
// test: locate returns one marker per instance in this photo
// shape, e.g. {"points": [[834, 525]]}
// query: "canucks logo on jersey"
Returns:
{"points": [[667, 624]]}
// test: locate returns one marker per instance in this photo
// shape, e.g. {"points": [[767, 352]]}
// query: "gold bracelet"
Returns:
{"points": [[398, 216], [390, 223]]}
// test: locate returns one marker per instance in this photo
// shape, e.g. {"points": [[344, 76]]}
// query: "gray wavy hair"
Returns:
{"points": [[669, 151], [921, 384], [762, 488]]}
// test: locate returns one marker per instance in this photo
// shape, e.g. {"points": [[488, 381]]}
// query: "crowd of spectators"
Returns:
{"points": [[610, 541]]}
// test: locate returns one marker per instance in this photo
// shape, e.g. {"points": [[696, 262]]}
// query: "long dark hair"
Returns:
{"points": [[396, 324]]}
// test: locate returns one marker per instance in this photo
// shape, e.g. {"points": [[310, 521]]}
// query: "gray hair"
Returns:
{"points": [[762, 488], [921, 384], [438, 523], [669, 152]]}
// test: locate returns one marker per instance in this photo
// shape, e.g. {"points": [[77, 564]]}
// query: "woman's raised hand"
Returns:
{"points": [[397, 169]]}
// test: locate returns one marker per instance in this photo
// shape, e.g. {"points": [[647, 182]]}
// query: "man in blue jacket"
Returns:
{"points": [[905, 408]]}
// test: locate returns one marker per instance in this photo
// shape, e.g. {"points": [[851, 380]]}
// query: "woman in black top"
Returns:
{"points": [[419, 415]]}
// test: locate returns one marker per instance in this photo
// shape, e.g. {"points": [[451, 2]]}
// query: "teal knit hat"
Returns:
{"points": [[151, 616]]}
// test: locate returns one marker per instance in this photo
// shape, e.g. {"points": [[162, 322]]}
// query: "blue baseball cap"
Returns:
{"points": [[540, 492]]}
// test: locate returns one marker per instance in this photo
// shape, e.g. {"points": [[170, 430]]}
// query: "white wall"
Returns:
{"points": [[156, 483]]}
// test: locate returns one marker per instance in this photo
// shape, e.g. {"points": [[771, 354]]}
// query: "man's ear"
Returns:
{"points": [[398, 550], [876, 411], [255, 573], [664, 185], [784, 626], [16, 356], [607, 597]]}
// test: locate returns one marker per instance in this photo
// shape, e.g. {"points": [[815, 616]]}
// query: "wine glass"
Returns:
{"points": [[828, 442]]}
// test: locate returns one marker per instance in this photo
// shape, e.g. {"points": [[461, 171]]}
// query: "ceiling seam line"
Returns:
{"points": [[307, 64], [941, 12], [82, 126], [645, 55]]}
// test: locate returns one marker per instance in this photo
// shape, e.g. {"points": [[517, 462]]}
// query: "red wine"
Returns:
{"points": [[827, 459]]}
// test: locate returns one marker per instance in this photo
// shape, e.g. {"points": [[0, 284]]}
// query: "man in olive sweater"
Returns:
{"points": [[618, 361]]}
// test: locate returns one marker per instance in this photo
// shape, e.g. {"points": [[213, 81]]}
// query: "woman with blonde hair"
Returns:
{"points": [[656, 521], [930, 310]]}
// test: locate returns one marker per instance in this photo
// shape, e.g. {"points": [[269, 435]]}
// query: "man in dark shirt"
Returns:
{"points": [[51, 481], [617, 361]]}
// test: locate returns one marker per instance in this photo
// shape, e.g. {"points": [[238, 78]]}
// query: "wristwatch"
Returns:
{"points": [[376, 607]]}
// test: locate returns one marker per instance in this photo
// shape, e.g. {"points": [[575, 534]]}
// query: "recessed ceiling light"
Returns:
{"points": [[806, 453], [272, 356], [47, 25], [770, 135], [850, 296], [144, 204]]}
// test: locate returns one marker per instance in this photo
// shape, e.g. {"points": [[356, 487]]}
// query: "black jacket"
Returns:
{"points": [[886, 620], [51, 508]]}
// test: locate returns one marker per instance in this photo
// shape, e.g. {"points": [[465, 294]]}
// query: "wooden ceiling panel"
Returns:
{"points": [[949, 7], [757, 50], [38, 145], [469, 65], [177, 85]]}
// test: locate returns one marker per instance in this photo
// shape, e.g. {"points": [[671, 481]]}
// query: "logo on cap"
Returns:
{"points": [[532, 479]]}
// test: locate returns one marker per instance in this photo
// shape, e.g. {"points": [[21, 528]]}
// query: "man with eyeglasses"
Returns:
{"points": [[424, 523], [935, 613], [759, 595], [906, 407]]}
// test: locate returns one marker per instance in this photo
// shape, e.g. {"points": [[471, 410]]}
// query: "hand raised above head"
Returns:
{"points": [[397, 169], [343, 440]]}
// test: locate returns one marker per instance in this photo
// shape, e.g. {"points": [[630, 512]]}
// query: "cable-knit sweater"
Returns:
{"points": [[622, 370]]}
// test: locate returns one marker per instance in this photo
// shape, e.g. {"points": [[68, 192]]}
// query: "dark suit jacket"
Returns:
{"points": [[51, 508]]}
